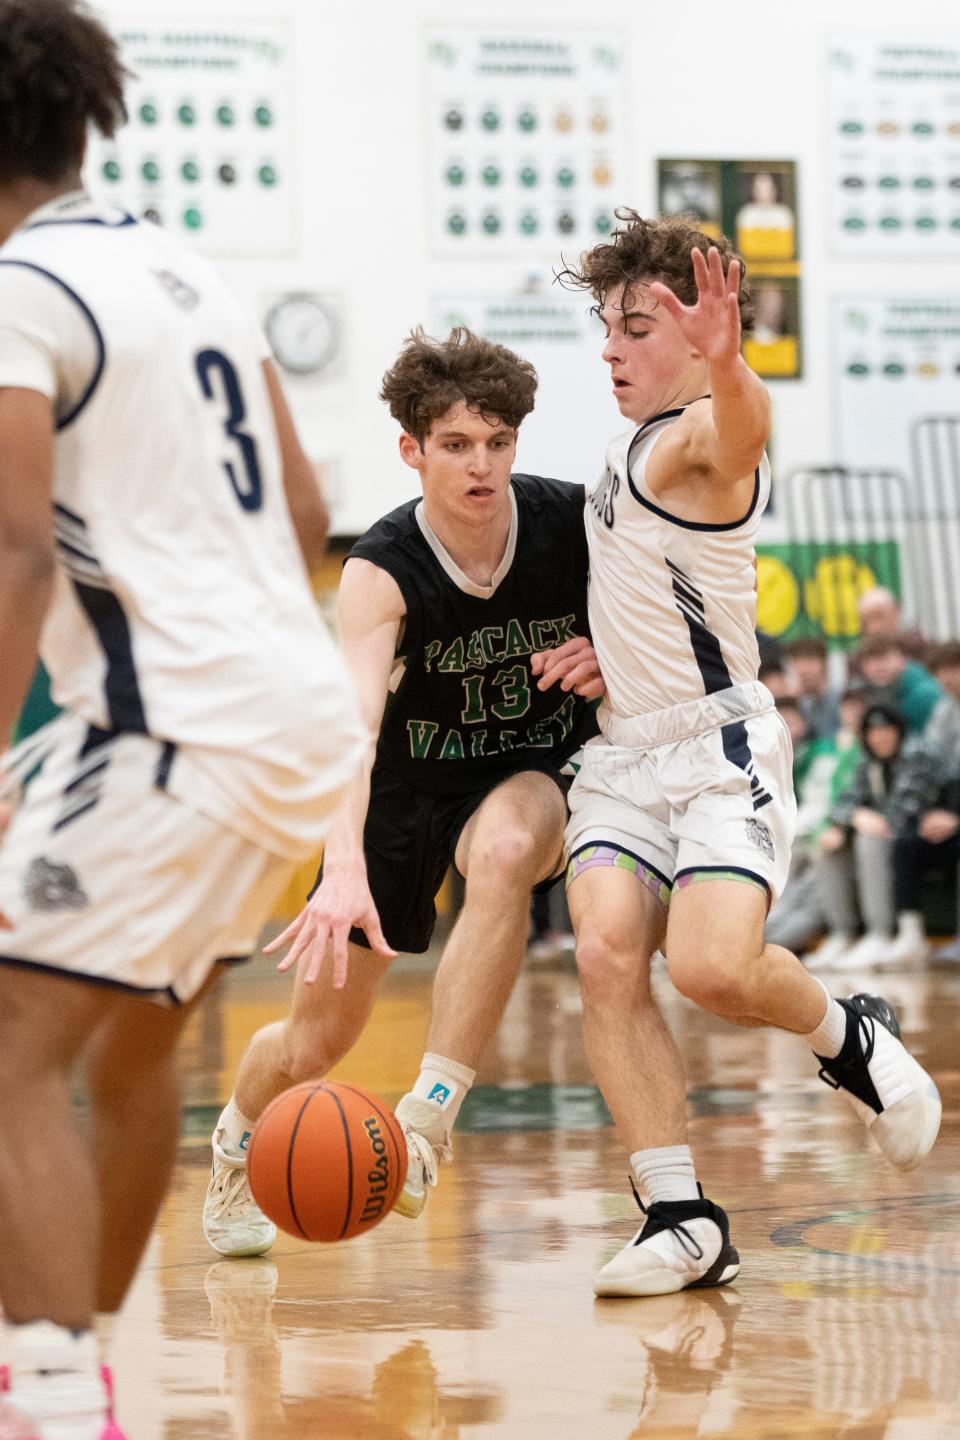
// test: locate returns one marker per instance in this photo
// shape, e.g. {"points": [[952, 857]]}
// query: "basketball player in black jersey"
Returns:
{"points": [[442, 606]]}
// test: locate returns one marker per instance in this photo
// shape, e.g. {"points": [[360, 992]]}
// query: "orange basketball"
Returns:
{"points": [[326, 1161]]}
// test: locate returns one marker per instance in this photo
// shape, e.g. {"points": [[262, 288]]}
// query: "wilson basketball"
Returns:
{"points": [[326, 1161]]}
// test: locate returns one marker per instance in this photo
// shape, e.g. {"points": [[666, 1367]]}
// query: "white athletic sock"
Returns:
{"points": [[236, 1129], [446, 1083], [827, 1040], [55, 1376], [665, 1173]]}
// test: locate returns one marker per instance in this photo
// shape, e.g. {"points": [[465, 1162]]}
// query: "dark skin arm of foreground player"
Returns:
{"points": [[26, 549]]}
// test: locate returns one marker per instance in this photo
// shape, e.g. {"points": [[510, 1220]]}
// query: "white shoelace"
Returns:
{"points": [[428, 1154], [231, 1193]]}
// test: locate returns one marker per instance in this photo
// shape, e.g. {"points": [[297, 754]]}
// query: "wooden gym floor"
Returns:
{"points": [[478, 1321]]}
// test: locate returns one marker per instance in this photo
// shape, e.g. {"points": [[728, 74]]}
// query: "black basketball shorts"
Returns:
{"points": [[409, 841]]}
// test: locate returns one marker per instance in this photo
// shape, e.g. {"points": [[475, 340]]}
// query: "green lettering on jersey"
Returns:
{"points": [[452, 748], [538, 736], [542, 633], [507, 737], [430, 654], [475, 655], [516, 693], [517, 642], [477, 741], [452, 659], [564, 717], [564, 629], [473, 711], [421, 734], [488, 634]]}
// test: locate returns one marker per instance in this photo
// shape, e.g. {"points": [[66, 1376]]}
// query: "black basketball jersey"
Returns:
{"points": [[465, 711]]}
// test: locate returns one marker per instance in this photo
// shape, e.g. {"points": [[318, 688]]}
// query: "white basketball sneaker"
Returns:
{"points": [[233, 1222], [831, 953], [16, 1424], [909, 948], [46, 1394], [428, 1144], [869, 951], [681, 1245], [893, 1095]]}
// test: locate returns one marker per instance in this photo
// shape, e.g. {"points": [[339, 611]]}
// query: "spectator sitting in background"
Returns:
{"points": [[824, 771], [939, 827], [789, 710], [776, 679], [905, 684], [880, 614], [896, 781], [819, 701], [771, 651], [943, 727], [849, 751]]}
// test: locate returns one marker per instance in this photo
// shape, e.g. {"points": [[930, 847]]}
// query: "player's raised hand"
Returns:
{"points": [[341, 902], [574, 664], [712, 326]]}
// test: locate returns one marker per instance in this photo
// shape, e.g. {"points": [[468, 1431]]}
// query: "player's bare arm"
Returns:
{"points": [[721, 438], [26, 550], [308, 509], [371, 611], [26, 542]]}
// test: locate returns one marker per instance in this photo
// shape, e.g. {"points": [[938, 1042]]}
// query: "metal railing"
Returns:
{"points": [[850, 527], [935, 453]]}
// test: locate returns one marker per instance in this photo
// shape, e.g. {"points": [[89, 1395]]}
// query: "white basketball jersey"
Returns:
{"points": [[673, 604], [182, 608]]}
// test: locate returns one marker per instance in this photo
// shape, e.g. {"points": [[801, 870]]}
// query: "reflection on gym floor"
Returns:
{"points": [[478, 1322]]}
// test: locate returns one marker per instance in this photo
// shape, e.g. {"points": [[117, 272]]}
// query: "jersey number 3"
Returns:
{"points": [[247, 487]]}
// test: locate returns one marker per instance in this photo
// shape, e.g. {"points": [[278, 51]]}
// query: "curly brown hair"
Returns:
{"points": [[430, 376], [640, 250], [59, 69]]}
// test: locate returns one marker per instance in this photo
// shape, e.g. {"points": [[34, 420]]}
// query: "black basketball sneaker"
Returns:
{"points": [[682, 1245], [893, 1095]]}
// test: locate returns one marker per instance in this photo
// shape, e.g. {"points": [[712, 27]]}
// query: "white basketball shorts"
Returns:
{"points": [[704, 787], [107, 878]]}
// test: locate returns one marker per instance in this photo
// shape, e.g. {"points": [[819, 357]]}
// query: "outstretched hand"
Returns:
{"points": [[340, 903], [712, 326], [574, 664]]}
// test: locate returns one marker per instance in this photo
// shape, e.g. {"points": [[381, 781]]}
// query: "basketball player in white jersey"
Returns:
{"points": [[682, 815], [148, 470]]}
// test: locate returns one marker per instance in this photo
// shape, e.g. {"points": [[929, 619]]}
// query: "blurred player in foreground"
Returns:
{"points": [[148, 474]]}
